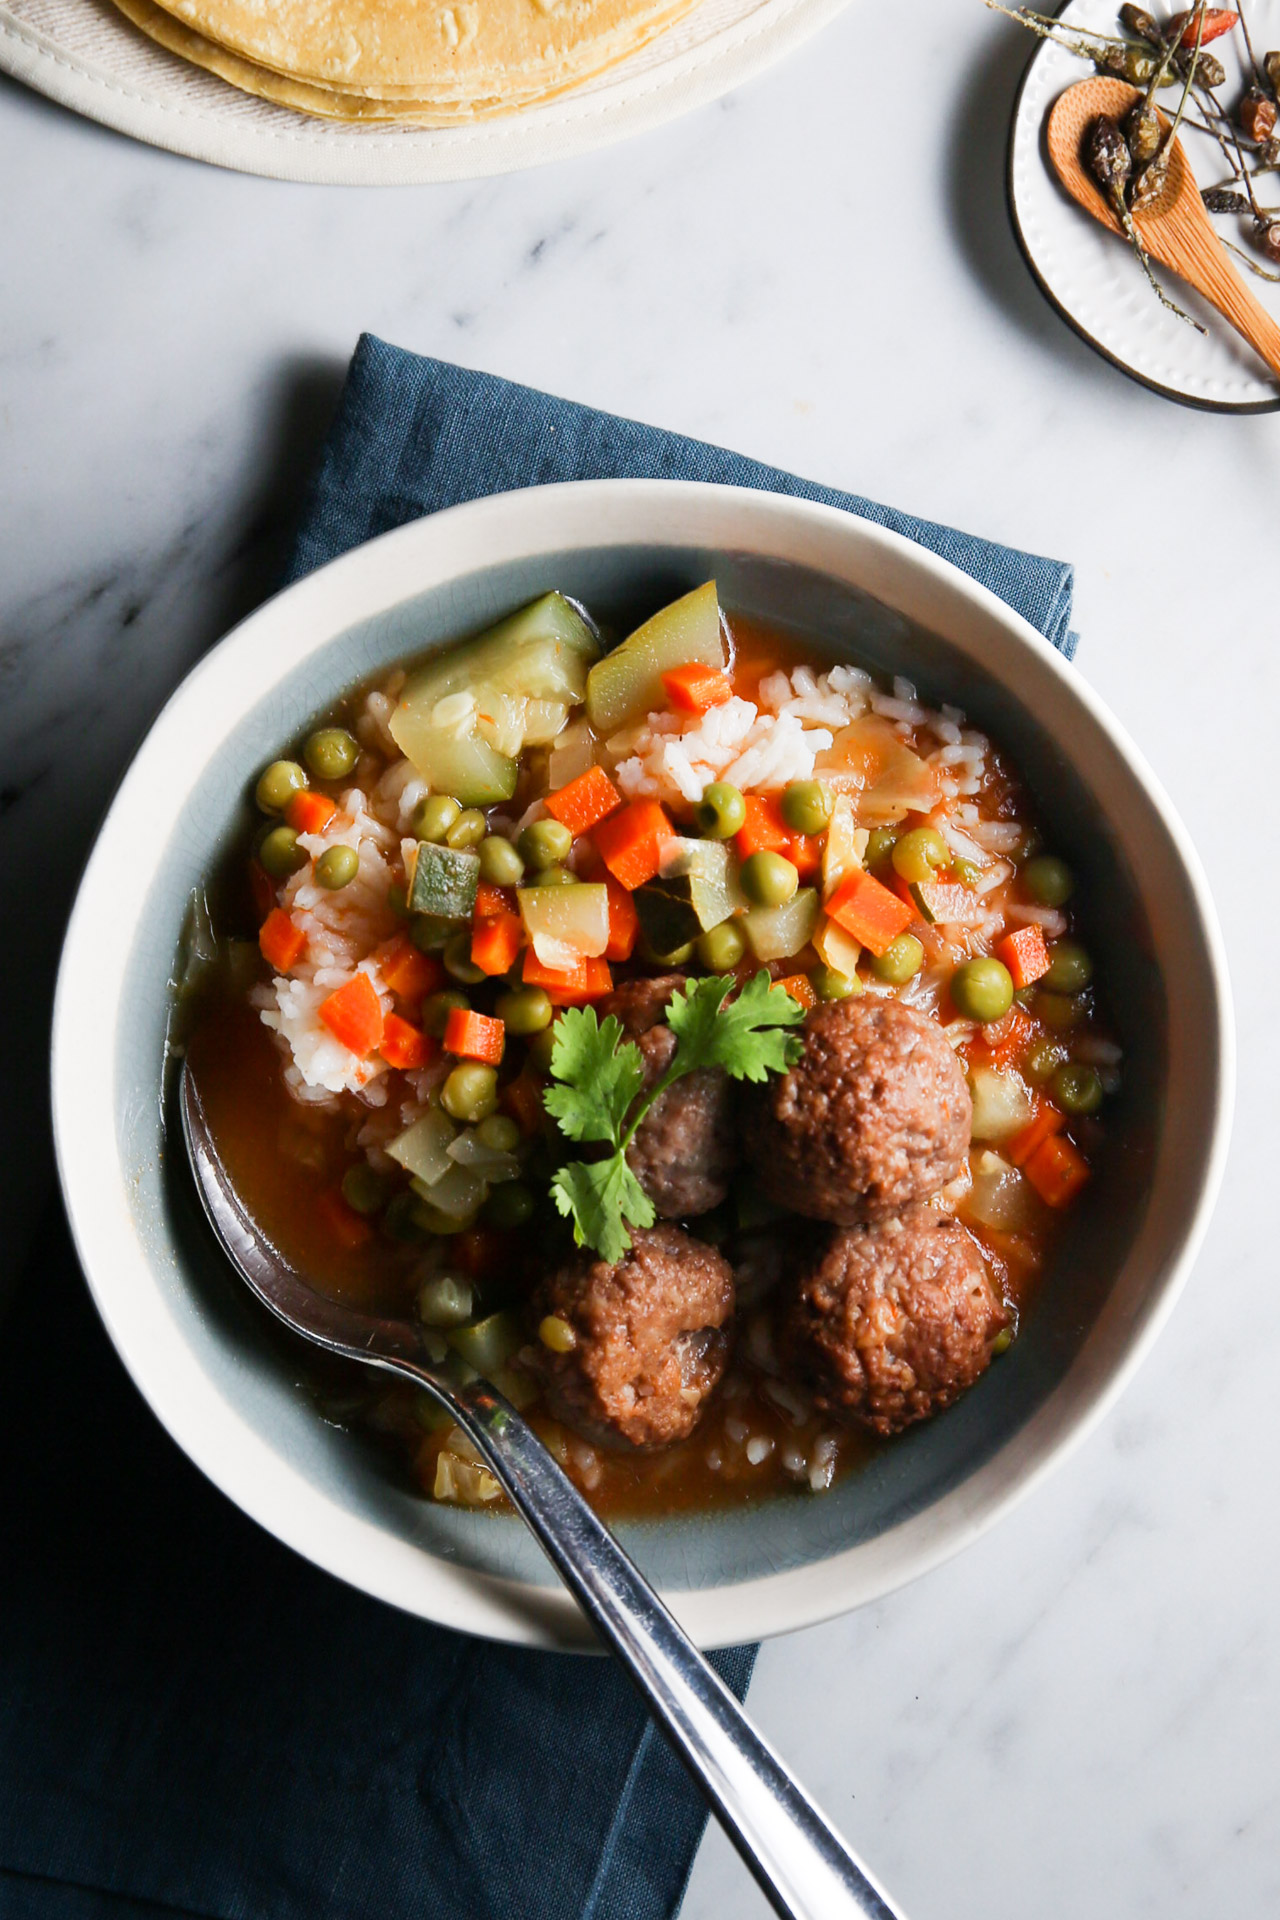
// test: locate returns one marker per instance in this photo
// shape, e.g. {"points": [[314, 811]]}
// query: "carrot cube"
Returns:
{"points": [[1046, 1121], [282, 944], [624, 922], [410, 973], [800, 987], [522, 1099], [697, 688], [764, 830], [404, 1045], [874, 916], [584, 802], [573, 987], [474, 1036], [1025, 955], [630, 842], [1057, 1171], [343, 1223], [496, 939], [309, 812], [353, 1015]]}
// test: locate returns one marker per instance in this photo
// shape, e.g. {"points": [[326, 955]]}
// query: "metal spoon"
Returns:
{"points": [[802, 1864]]}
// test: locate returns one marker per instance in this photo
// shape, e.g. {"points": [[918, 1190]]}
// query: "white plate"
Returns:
{"points": [[85, 55], [1094, 280]]}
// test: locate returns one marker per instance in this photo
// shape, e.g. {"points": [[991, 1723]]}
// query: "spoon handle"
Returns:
{"points": [[802, 1864]]}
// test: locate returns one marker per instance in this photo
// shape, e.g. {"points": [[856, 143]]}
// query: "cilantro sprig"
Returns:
{"points": [[598, 1080]]}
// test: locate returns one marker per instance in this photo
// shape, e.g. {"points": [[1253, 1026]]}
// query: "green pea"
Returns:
{"points": [[1047, 880], [445, 1300], [458, 962], [337, 867], [918, 855], [499, 1133], [331, 753], [880, 844], [1059, 1011], [1043, 1060], [508, 1207], [806, 806], [768, 879], [431, 932], [545, 843], [468, 830], [720, 948], [436, 1008], [1070, 968], [433, 816], [982, 989], [364, 1190], [553, 877], [541, 1045], [429, 1219], [678, 956], [830, 984], [280, 854], [1077, 1088], [278, 784], [525, 1010], [721, 811], [901, 960], [398, 900], [966, 872], [470, 1093], [500, 864]]}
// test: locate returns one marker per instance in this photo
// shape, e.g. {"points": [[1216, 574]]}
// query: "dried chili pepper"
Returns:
{"points": [[1139, 21], [1223, 200], [1217, 21], [1142, 132], [1209, 71], [1257, 114], [1110, 161], [1271, 66]]}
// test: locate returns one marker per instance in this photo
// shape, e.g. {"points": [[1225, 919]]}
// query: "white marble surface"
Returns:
{"points": [[1079, 1716]]}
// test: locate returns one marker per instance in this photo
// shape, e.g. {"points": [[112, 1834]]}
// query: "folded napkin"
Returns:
{"points": [[193, 1720]]}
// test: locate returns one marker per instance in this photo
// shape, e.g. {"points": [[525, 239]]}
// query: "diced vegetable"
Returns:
{"points": [[494, 1165], [342, 1222], [870, 759], [942, 903], [1009, 1038], [874, 916], [696, 688], [627, 683], [462, 1483], [765, 831], [568, 987], [585, 801], [423, 1148], [444, 882], [462, 764], [309, 812], [408, 972], [800, 987], [1002, 1104], [844, 847], [445, 1300], [624, 922], [1048, 1120], [474, 1036], [696, 890], [353, 1015], [488, 1343], [282, 944], [522, 1099], [839, 949], [496, 940], [775, 933], [999, 1196], [404, 1045], [1057, 1171], [631, 842], [566, 924], [572, 754], [458, 1193], [1025, 955]]}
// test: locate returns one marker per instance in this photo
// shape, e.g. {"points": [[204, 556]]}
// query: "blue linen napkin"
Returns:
{"points": [[192, 1720]]}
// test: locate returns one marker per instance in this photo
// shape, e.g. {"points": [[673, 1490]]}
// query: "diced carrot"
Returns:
{"points": [[624, 922], [1010, 1037], [309, 812], [496, 939], [410, 973], [1057, 1171], [584, 802], [630, 842], [263, 889], [800, 987], [868, 911], [474, 1036], [491, 900], [353, 1015], [697, 688], [343, 1223], [479, 1251], [805, 853], [522, 1099], [404, 1045], [1025, 955], [1046, 1121], [282, 944], [764, 830], [572, 988]]}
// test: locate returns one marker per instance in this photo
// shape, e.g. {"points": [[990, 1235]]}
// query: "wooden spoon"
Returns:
{"points": [[1175, 228]]}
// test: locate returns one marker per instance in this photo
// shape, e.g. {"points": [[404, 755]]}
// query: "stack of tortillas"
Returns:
{"points": [[426, 63]]}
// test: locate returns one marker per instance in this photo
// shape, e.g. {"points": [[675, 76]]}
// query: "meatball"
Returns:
{"points": [[894, 1320], [650, 1339], [685, 1152], [875, 1116]]}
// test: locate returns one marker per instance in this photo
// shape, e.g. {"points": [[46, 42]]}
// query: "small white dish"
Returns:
{"points": [[194, 1341], [1093, 278]]}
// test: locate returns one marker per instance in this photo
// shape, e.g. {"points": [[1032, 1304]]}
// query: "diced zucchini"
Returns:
{"points": [[468, 1150], [703, 873], [459, 1193], [775, 933], [1002, 1104], [444, 882], [423, 1148], [489, 1343], [461, 764], [573, 753], [565, 920], [627, 683], [944, 903], [666, 921]]}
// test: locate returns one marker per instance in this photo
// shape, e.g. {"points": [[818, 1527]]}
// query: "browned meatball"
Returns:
{"points": [[875, 1116], [685, 1152], [893, 1321], [650, 1341]]}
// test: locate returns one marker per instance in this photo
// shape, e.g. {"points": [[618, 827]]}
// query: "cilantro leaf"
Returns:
{"points": [[744, 1037], [598, 1079], [598, 1199]]}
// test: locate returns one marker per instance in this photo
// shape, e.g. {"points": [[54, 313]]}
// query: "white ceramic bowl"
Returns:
{"points": [[195, 1345]]}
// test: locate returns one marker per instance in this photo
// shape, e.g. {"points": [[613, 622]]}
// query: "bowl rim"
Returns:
{"points": [[423, 556]]}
